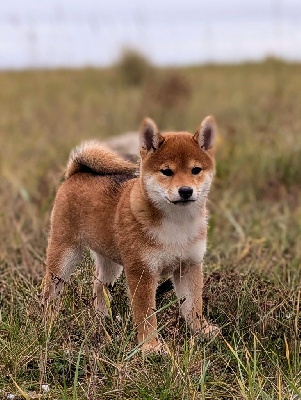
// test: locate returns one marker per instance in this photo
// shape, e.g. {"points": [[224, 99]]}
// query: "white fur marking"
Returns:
{"points": [[179, 235], [71, 259], [107, 271]]}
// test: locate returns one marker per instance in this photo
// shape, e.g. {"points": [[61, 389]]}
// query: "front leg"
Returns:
{"points": [[142, 289], [188, 282]]}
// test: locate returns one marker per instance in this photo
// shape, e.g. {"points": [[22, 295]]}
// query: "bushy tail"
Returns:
{"points": [[97, 158]]}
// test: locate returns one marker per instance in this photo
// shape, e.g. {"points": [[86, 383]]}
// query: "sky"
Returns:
{"points": [[76, 33]]}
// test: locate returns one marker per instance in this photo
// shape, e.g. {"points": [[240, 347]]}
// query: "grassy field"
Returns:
{"points": [[253, 263]]}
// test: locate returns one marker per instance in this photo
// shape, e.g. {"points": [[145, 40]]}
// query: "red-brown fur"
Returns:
{"points": [[127, 220]]}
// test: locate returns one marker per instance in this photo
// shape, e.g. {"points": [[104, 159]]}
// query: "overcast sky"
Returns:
{"points": [[58, 33]]}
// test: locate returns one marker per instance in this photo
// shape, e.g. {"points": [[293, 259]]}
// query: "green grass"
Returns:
{"points": [[253, 263]]}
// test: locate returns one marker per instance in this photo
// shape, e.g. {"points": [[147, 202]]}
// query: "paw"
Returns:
{"points": [[101, 310], [47, 296], [153, 348], [51, 290], [209, 331]]}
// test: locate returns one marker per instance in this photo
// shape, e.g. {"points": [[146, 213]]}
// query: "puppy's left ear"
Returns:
{"points": [[205, 135]]}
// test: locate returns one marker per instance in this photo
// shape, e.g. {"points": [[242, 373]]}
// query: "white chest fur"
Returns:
{"points": [[179, 227], [180, 237]]}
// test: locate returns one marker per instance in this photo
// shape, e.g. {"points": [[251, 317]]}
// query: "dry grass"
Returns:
{"points": [[254, 256]]}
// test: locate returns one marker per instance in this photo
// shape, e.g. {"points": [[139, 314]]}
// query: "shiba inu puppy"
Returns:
{"points": [[150, 220]]}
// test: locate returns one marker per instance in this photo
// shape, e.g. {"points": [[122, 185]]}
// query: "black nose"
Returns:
{"points": [[185, 192]]}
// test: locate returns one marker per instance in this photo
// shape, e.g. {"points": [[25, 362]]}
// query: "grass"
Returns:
{"points": [[253, 273]]}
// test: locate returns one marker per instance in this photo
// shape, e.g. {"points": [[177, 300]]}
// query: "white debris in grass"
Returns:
{"points": [[45, 388]]}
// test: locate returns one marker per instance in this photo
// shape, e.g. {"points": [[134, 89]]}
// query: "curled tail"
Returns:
{"points": [[97, 158]]}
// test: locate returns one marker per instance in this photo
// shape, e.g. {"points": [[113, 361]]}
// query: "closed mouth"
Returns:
{"points": [[182, 201]]}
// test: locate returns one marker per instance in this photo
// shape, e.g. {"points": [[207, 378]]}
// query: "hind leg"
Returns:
{"points": [[62, 258], [106, 274]]}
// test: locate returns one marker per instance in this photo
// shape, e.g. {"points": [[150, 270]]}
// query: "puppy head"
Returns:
{"points": [[177, 167]]}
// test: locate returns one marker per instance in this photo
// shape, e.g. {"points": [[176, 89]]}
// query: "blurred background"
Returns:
{"points": [[76, 33]]}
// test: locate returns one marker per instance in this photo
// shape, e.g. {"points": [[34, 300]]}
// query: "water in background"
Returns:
{"points": [[74, 33]]}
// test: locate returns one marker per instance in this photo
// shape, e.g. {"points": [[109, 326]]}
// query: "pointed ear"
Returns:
{"points": [[150, 137], [205, 135]]}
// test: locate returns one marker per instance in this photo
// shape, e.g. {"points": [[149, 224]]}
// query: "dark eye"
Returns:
{"points": [[166, 172], [196, 170]]}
